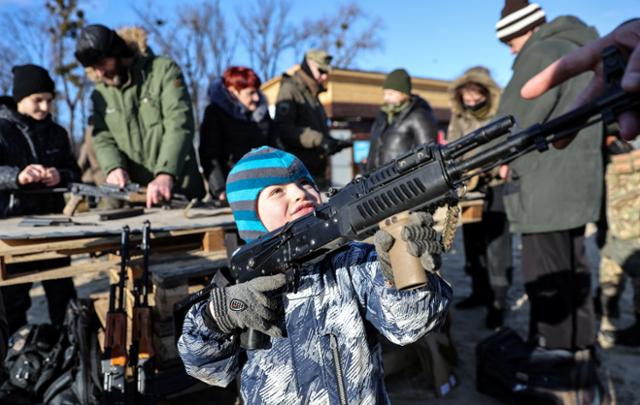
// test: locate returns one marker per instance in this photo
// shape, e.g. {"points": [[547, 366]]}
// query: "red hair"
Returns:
{"points": [[240, 77]]}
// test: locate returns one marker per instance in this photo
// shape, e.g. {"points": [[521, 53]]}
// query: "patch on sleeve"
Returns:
{"points": [[283, 108]]}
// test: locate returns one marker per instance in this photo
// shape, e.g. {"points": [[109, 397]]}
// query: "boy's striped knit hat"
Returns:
{"points": [[260, 168]]}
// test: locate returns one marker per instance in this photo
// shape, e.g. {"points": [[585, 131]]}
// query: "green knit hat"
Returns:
{"points": [[398, 80]]}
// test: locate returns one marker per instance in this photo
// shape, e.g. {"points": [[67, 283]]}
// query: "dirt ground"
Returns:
{"points": [[619, 366]]}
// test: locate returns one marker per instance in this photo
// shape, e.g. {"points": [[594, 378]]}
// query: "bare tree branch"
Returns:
{"points": [[345, 35], [196, 38], [66, 19], [266, 34], [26, 43]]}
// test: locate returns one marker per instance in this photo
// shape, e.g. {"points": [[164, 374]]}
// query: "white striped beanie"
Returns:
{"points": [[258, 169], [517, 18]]}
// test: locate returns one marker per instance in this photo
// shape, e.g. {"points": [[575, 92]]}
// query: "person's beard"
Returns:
{"points": [[117, 77]]}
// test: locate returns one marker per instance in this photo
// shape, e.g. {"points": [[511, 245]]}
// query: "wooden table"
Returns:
{"points": [[171, 232]]}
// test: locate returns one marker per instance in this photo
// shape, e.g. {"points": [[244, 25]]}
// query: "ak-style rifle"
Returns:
{"points": [[141, 351], [425, 178], [114, 358]]}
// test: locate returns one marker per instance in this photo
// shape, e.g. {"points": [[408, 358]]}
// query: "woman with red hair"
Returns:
{"points": [[236, 121]]}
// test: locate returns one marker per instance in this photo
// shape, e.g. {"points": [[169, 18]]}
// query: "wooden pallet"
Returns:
{"points": [[30, 250]]}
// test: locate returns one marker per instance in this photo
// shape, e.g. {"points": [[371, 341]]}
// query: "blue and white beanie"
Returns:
{"points": [[258, 169]]}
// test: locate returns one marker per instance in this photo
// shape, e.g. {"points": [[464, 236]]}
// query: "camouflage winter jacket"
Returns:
{"points": [[331, 354]]}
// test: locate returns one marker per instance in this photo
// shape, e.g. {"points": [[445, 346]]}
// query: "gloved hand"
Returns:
{"points": [[332, 145], [245, 306], [422, 241]]}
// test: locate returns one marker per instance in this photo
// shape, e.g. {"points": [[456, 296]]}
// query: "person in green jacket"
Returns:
{"points": [[300, 120], [551, 196], [143, 119]]}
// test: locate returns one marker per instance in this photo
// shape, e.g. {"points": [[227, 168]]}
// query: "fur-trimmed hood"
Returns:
{"points": [[136, 39], [481, 76]]}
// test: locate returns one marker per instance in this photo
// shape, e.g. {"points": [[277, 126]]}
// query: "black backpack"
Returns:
{"points": [[55, 365], [514, 372]]}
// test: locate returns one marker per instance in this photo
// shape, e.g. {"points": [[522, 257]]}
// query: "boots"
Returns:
{"points": [[629, 336], [495, 316], [606, 304], [496, 310]]}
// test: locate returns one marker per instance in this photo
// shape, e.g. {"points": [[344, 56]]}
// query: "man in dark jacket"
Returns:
{"points": [[143, 119], [301, 122], [405, 120], [35, 153], [552, 195]]}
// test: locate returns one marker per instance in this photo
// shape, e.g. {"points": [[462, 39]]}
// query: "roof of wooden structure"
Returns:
{"points": [[357, 94]]}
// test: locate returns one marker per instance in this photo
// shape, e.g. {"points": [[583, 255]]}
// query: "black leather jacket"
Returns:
{"points": [[413, 126]]}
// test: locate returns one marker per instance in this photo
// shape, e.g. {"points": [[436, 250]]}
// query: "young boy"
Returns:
{"points": [[323, 348], [35, 153]]}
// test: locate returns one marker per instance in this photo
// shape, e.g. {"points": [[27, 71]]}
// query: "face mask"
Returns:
{"points": [[477, 107]]}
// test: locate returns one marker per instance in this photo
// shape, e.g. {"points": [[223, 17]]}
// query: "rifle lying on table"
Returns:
{"points": [[425, 178], [132, 193], [141, 350], [114, 359]]}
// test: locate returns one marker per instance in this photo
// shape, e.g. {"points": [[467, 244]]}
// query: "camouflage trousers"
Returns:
{"points": [[621, 252], [620, 259]]}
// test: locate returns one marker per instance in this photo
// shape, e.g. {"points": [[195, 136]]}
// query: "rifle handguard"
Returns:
{"points": [[408, 272]]}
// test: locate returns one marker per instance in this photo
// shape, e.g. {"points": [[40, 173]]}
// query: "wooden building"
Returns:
{"points": [[353, 97], [352, 101]]}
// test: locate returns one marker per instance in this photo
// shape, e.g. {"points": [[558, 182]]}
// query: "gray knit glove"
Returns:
{"points": [[245, 306], [422, 241]]}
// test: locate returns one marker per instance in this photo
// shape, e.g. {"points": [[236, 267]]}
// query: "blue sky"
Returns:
{"points": [[437, 39]]}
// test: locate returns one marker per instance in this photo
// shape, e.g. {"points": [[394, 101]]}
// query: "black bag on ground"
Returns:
{"points": [[509, 369], [53, 365], [27, 359], [78, 378]]}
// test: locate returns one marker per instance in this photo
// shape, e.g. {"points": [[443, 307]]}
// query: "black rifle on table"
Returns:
{"points": [[141, 350], [425, 178], [132, 193], [114, 359]]}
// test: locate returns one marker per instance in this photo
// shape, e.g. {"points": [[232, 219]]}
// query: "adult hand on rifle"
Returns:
{"points": [[422, 241], [332, 145], [246, 306], [118, 177], [159, 189], [589, 57], [31, 174], [51, 177]]}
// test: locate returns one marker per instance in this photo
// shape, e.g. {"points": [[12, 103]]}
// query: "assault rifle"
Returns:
{"points": [[114, 359], [141, 351], [132, 192], [429, 176]]}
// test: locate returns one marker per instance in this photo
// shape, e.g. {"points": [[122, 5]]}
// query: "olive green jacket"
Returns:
{"points": [[301, 122], [146, 126], [558, 189]]}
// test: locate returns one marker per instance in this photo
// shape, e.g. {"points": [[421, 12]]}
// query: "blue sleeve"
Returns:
{"points": [[208, 355], [401, 316]]}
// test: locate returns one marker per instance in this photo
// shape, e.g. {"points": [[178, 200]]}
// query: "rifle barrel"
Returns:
{"points": [[124, 257], [146, 235]]}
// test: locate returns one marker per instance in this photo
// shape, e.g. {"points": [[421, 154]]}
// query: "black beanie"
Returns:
{"points": [[398, 80], [30, 79], [97, 42]]}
